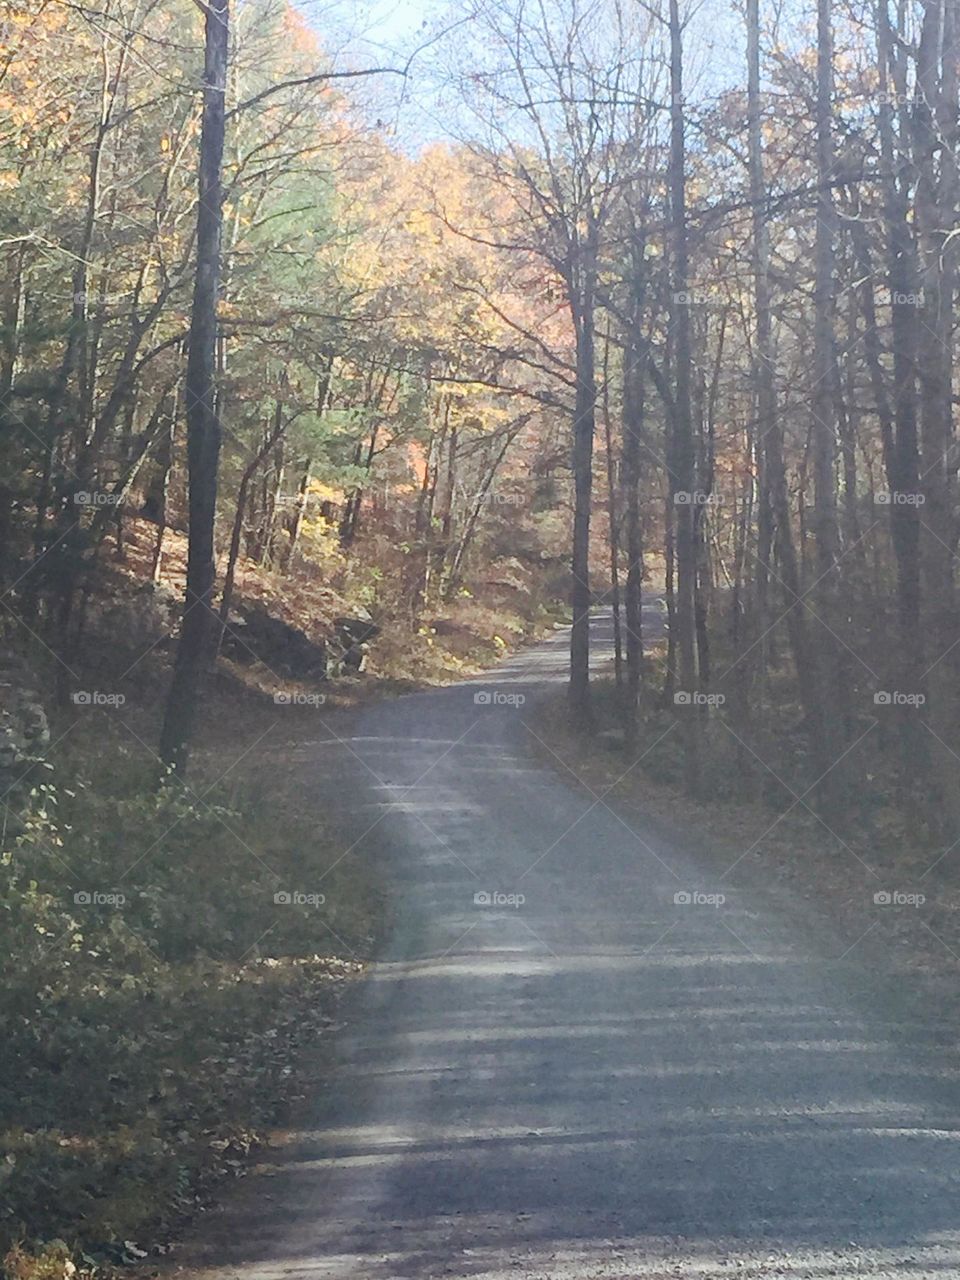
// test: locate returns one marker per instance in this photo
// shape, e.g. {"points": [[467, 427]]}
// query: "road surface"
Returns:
{"points": [[560, 1070]]}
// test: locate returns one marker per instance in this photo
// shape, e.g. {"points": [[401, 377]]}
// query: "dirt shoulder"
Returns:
{"points": [[891, 906]]}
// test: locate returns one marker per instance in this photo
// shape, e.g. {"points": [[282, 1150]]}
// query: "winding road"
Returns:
{"points": [[573, 1062]]}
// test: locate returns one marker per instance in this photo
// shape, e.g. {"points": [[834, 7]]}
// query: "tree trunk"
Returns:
{"points": [[681, 458], [769, 428], [633, 409], [203, 427], [165, 461], [935, 131], [299, 513], [824, 428], [583, 433], [613, 523], [226, 596]]}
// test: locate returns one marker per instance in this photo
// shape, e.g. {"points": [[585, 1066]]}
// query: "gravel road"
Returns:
{"points": [[574, 1061]]}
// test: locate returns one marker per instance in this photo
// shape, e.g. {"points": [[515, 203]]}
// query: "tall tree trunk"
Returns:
{"points": [[670, 592], [300, 510], [226, 596], [824, 429], [584, 426], [165, 463], [419, 561], [769, 429], [203, 427], [442, 547], [903, 470], [935, 132], [12, 313], [613, 522], [707, 416], [633, 410], [681, 456], [272, 505]]}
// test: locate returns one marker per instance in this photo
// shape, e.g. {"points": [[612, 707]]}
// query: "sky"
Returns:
{"points": [[386, 32], [390, 24], [367, 33]]}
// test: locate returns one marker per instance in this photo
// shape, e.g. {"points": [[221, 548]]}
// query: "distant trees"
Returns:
{"points": [[777, 295], [354, 364], [402, 352], [554, 97]]}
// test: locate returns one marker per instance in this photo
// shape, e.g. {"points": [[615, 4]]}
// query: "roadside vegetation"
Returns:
{"points": [[158, 987]]}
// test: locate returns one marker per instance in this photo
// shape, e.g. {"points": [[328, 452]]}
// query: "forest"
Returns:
{"points": [[628, 318]]}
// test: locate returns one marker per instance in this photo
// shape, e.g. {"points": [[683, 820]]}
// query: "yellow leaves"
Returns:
{"points": [[423, 240], [326, 492], [165, 143]]}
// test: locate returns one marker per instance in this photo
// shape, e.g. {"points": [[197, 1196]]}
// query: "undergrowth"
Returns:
{"points": [[158, 985]]}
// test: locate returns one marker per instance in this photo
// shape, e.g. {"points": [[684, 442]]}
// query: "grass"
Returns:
{"points": [[159, 995]]}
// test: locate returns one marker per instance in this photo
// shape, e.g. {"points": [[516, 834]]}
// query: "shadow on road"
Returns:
{"points": [[575, 1061]]}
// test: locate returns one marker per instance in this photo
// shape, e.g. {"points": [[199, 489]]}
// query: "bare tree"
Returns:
{"points": [[554, 99]]}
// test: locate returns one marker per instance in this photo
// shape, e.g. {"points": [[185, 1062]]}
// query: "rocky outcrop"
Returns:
{"points": [[253, 634]]}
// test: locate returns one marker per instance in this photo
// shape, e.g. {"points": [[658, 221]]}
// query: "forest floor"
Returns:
{"points": [[880, 883]]}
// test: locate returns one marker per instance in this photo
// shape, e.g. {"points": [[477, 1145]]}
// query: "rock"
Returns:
{"points": [[446, 627], [145, 617], [353, 634], [253, 634]]}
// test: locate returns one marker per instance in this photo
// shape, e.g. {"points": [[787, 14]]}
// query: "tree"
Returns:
{"points": [[203, 426], [566, 71], [681, 457]]}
